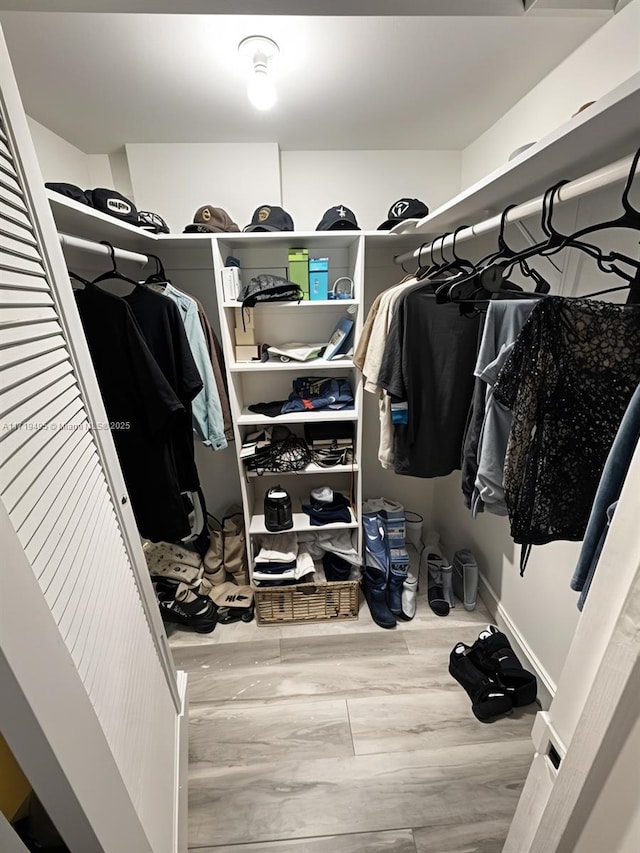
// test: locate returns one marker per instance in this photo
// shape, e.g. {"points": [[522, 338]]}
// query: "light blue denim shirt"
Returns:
{"points": [[206, 409]]}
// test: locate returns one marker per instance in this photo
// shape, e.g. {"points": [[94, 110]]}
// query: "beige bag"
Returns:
{"points": [[235, 549], [214, 570]]}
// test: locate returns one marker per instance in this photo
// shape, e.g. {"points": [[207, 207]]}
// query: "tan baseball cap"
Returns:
{"points": [[211, 219]]}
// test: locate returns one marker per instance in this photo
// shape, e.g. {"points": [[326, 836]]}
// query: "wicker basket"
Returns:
{"points": [[307, 602]]}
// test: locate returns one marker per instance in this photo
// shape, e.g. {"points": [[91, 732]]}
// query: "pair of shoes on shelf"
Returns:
{"points": [[492, 676], [183, 606]]}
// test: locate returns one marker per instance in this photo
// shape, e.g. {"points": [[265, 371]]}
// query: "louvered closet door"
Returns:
{"points": [[60, 496]]}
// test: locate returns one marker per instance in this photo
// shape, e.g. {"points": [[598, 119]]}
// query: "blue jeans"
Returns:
{"points": [[611, 482]]}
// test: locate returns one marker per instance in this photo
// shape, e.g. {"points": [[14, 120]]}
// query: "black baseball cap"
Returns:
{"points": [[403, 209], [114, 203], [338, 218], [270, 218]]}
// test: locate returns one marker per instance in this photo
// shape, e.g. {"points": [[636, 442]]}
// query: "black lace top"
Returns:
{"points": [[568, 380]]}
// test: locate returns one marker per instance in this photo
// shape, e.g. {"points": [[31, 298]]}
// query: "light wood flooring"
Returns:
{"points": [[345, 738]]}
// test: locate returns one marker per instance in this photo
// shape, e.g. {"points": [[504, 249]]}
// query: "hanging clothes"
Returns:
{"points": [[428, 364], [141, 407], [604, 505], [164, 332], [568, 381], [504, 321], [217, 364], [207, 411]]}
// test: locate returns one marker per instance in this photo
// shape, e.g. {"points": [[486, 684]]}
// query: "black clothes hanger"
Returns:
{"points": [[78, 278], [159, 276], [114, 272]]}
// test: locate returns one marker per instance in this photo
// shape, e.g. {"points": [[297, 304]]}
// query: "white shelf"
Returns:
{"points": [[291, 239], [248, 418], [268, 366], [80, 220], [312, 468], [304, 303], [601, 134], [301, 522]]}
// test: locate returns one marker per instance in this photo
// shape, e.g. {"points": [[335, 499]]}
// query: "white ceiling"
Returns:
{"points": [[101, 80]]}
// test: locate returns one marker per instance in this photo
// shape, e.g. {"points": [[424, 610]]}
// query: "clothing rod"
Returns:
{"points": [[69, 242], [589, 183]]}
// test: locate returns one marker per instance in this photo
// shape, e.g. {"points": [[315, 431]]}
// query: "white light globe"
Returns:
{"points": [[261, 91]]}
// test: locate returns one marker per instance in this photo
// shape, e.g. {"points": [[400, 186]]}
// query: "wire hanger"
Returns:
{"points": [[114, 272]]}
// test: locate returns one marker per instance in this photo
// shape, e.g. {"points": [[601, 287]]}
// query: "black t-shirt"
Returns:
{"points": [[429, 360], [141, 407], [163, 330]]}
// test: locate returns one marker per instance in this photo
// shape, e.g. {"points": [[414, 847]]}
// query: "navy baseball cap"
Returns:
{"points": [[270, 218], [403, 209], [338, 218]]}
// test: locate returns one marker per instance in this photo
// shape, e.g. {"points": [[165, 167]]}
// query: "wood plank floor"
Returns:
{"points": [[345, 738]]}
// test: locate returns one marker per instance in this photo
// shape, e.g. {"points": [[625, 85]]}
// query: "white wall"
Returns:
{"points": [[605, 60], [174, 180], [368, 182], [61, 161]]}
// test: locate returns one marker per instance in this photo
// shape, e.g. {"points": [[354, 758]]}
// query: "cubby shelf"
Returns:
{"points": [[301, 523], [302, 367], [249, 418], [312, 468], [304, 303]]}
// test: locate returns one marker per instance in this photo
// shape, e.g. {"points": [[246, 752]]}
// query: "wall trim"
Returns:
{"points": [[546, 684]]}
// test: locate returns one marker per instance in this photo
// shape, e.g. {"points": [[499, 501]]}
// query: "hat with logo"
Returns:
{"points": [[402, 210], [113, 203], [211, 220], [270, 218], [149, 221], [338, 218]]}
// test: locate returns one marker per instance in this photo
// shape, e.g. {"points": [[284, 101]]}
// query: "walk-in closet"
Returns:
{"points": [[319, 421]]}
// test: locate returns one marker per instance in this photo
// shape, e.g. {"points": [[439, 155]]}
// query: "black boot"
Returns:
{"points": [[374, 586], [489, 700], [493, 655]]}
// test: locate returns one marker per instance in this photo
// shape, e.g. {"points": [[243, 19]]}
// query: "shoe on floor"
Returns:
{"points": [[182, 606], [374, 587], [493, 655], [489, 700], [436, 564]]}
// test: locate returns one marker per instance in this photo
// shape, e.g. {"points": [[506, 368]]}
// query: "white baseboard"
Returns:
{"points": [[181, 793], [546, 684]]}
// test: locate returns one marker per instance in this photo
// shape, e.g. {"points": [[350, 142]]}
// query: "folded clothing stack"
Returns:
{"points": [[281, 562], [327, 507]]}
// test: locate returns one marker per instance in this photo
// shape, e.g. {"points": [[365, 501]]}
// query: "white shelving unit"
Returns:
{"points": [[308, 321]]}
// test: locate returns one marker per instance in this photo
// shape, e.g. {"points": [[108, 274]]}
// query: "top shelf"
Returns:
{"points": [[605, 132], [596, 137]]}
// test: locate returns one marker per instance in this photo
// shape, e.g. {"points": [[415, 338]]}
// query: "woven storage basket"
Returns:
{"points": [[307, 602]]}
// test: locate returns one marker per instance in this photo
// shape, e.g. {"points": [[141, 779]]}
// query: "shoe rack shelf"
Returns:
{"points": [[308, 321]]}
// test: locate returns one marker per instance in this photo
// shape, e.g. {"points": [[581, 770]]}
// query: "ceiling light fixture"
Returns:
{"points": [[260, 50]]}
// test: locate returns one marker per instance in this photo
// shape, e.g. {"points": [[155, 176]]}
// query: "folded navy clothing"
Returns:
{"points": [[322, 512], [288, 582], [335, 568], [309, 393], [275, 568]]}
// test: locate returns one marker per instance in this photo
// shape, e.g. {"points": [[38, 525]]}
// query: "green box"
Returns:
{"points": [[299, 269]]}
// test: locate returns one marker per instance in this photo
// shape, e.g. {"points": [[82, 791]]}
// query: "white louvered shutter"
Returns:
{"points": [[60, 485]]}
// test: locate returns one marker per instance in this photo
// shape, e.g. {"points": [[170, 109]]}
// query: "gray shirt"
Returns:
{"points": [[505, 319]]}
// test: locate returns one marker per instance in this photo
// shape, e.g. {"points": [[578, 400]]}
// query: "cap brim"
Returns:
{"points": [[340, 225], [264, 228], [404, 225], [389, 223], [200, 228]]}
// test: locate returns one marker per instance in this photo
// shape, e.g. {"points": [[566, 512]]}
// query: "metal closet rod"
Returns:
{"points": [[69, 242], [597, 180]]}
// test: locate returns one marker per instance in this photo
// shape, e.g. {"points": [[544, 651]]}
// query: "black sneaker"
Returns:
{"points": [[489, 699], [492, 653], [181, 606]]}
